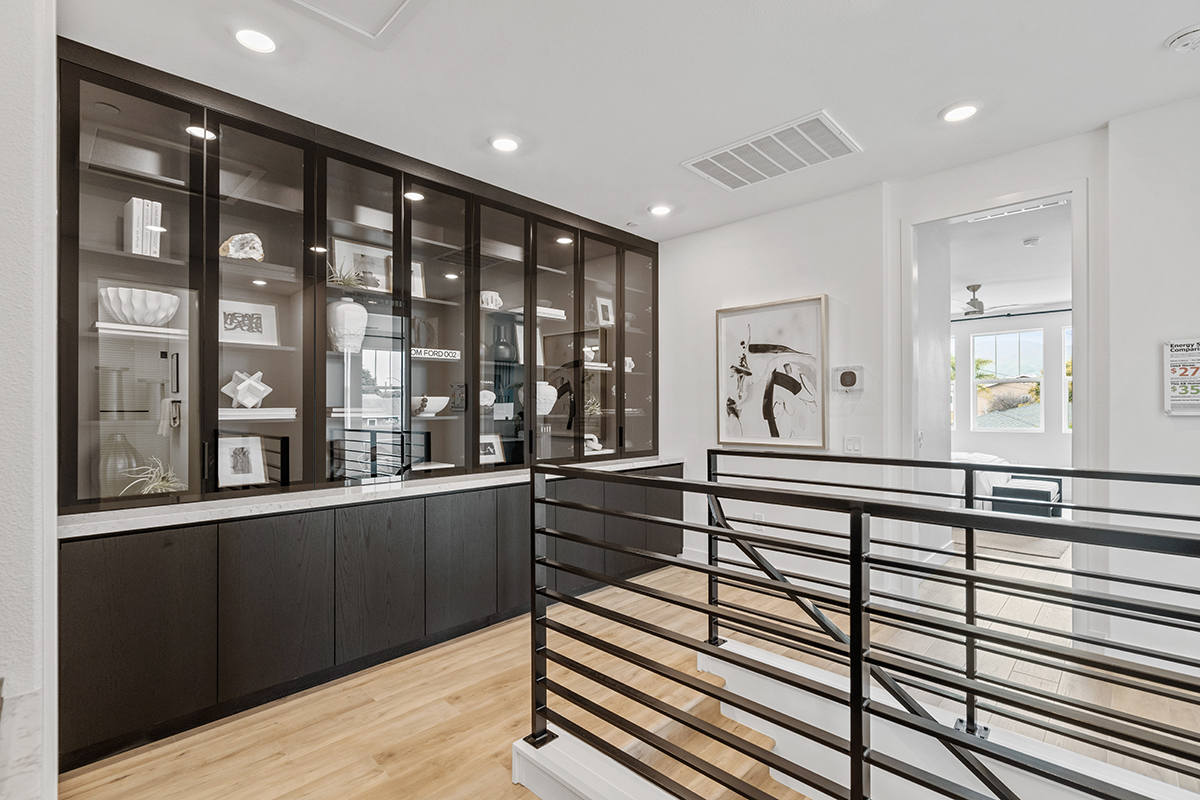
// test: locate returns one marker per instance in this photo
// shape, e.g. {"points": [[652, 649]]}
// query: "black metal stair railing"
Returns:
{"points": [[752, 577]]}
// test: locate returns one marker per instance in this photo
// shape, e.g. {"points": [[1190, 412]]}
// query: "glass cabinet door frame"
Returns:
{"points": [[210, 312], [625, 450], [71, 78]]}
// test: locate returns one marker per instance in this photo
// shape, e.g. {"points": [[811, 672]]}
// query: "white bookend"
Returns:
{"points": [[156, 222], [133, 225], [147, 235]]}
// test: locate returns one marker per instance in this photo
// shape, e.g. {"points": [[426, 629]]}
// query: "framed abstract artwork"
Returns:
{"points": [[240, 461], [771, 373], [248, 323]]}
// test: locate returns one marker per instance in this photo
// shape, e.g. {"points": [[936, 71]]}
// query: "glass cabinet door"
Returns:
{"points": [[264, 312], [501, 405], [601, 355], [639, 367], [363, 327], [557, 373], [130, 353], [438, 400]]}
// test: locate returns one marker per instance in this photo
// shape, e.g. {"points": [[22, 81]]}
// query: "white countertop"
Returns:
{"points": [[125, 520]]}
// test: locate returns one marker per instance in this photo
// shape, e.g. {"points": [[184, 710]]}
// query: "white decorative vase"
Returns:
{"points": [[347, 323], [547, 395]]}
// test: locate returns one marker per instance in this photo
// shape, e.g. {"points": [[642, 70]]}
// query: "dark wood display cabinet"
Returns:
{"points": [[251, 303], [163, 630]]}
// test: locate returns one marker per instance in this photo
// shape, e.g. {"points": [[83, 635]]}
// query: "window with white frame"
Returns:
{"points": [[1068, 387], [1008, 381], [953, 377]]}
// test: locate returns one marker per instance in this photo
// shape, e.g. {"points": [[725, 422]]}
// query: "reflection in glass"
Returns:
{"points": [[639, 352], [438, 330], [364, 360], [600, 354], [501, 405], [261, 373], [138, 431], [557, 370]]}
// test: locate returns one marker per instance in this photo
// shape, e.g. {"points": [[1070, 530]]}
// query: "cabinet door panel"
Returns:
{"points": [[513, 553], [627, 532], [664, 503], [380, 597], [137, 632], [580, 523], [276, 600], [460, 559]]}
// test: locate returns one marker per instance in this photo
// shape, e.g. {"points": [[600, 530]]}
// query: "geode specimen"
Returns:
{"points": [[243, 245]]}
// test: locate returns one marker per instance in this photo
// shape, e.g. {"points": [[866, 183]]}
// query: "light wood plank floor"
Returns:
{"points": [[440, 723]]}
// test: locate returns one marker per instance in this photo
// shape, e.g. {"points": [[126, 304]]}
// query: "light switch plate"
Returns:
{"points": [[853, 445]]}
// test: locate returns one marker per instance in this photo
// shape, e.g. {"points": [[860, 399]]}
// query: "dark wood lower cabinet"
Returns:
{"points": [[276, 600], [137, 632], [380, 597], [626, 532], [664, 503], [158, 628], [460, 559], [580, 523]]}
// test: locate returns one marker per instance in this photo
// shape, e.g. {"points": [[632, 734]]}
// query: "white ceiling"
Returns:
{"points": [[991, 253], [610, 97]]}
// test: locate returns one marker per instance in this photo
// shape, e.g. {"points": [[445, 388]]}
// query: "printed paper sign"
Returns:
{"points": [[1181, 377]]}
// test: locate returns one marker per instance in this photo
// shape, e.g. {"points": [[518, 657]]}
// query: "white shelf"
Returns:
{"points": [[597, 367], [141, 331], [257, 414], [426, 466], [431, 417]]}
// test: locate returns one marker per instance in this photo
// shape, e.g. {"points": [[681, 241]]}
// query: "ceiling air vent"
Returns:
{"points": [[785, 149]]}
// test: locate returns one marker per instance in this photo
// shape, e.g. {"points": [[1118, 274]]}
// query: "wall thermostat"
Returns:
{"points": [[847, 380]]}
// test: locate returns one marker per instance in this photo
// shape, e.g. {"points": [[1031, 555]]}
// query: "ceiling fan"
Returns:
{"points": [[974, 307]]}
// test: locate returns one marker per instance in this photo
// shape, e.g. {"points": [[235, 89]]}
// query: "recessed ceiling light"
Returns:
{"points": [[1032, 241], [107, 108], [316, 248], [958, 112], [200, 133], [505, 144], [1185, 41], [564, 240], [631, 224], [453, 276], [253, 40], [414, 196], [259, 283], [660, 210], [156, 228]]}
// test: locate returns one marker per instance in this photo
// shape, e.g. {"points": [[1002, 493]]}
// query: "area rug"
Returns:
{"points": [[1011, 543]]}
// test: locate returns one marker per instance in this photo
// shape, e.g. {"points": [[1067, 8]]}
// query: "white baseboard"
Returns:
{"points": [[695, 554], [569, 769]]}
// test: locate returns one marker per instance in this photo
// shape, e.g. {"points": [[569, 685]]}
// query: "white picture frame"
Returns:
{"points": [[605, 313], [248, 323], [418, 279], [240, 461], [375, 263], [491, 450], [772, 378]]}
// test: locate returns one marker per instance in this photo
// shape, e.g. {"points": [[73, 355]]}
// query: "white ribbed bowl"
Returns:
{"points": [[139, 306]]}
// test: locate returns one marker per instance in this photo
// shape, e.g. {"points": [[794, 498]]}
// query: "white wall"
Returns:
{"points": [[1050, 447], [28, 752], [834, 247]]}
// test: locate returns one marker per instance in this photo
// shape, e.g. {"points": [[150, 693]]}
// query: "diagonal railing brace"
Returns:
{"points": [[889, 684]]}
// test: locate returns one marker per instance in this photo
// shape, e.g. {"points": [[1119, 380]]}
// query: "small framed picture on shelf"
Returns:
{"points": [[248, 323], [491, 451], [418, 279], [240, 461], [373, 263], [604, 309]]}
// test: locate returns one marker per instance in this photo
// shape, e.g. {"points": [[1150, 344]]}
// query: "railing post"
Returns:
{"points": [[714, 634], [970, 607], [537, 608], [860, 644]]}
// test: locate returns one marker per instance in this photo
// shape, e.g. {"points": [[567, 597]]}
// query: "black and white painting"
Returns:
{"points": [[240, 461], [491, 451], [248, 323], [771, 373], [374, 264]]}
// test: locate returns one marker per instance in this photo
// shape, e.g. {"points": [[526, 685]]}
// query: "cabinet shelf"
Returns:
{"points": [[250, 346], [435, 301], [342, 222], [256, 414], [112, 253], [264, 270], [117, 177], [141, 331]]}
